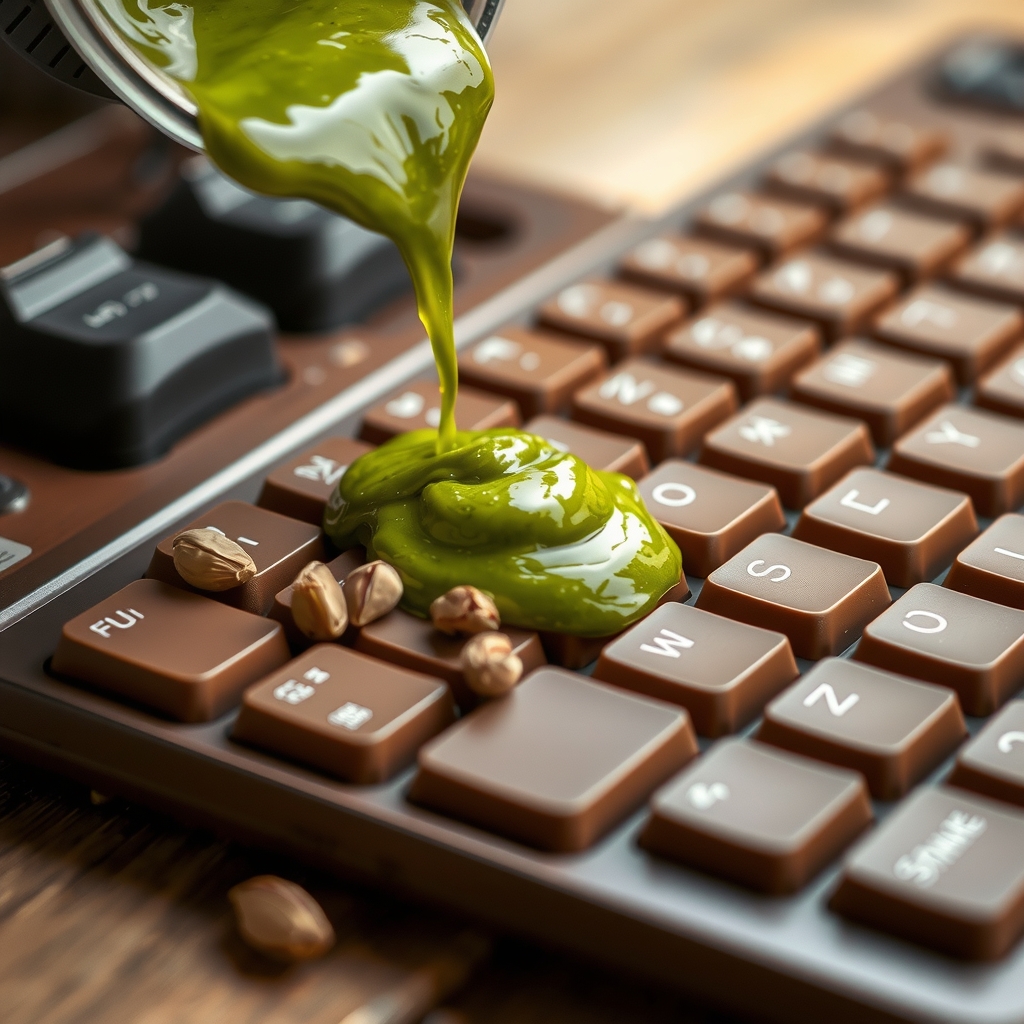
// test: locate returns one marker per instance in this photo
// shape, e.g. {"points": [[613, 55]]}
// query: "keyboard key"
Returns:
{"points": [[944, 869], [625, 318], [993, 762], [799, 452], [413, 643], [1005, 150], [596, 448], [892, 730], [841, 185], [721, 671], [772, 226], [346, 714], [418, 406], [698, 268], [913, 244], [300, 488], [167, 649], [279, 546], [556, 763], [901, 146], [281, 611], [968, 450], [537, 371], [984, 198], [911, 529], [820, 599], [1003, 389], [709, 515], [994, 269], [971, 334], [758, 351], [931, 633], [837, 295], [889, 391], [992, 567], [668, 410], [757, 816]]}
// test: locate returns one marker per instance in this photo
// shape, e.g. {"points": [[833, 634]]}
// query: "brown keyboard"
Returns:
{"points": [[797, 786]]}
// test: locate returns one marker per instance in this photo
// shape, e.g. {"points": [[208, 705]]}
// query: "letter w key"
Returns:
{"points": [[835, 706], [669, 644]]}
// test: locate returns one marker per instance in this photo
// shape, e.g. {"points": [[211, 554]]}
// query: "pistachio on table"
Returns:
{"points": [[464, 610], [489, 666], [318, 604], [281, 919], [371, 591], [208, 560]]}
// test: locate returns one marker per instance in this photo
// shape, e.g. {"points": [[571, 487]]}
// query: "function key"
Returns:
{"points": [[1003, 389], [994, 269], [504, 766], [538, 372], [890, 392], [669, 410], [300, 488], [970, 334], [758, 351], [892, 730], [721, 671], [912, 530], [598, 449], [841, 185], [170, 650], [943, 870], [820, 599], [281, 611], [902, 146], [993, 762], [772, 226], [837, 295], [344, 713], [967, 450], [992, 567], [799, 452], [279, 546], [418, 406], [626, 319], [974, 646], [757, 816], [698, 268], [984, 198], [709, 515]]}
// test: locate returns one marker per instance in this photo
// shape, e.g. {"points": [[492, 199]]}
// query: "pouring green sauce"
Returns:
{"points": [[373, 108]]}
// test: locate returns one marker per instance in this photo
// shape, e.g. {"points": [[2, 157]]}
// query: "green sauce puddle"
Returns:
{"points": [[373, 108]]}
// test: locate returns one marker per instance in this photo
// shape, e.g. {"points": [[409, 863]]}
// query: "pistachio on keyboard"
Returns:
{"points": [[281, 919], [318, 604], [371, 591], [208, 560], [489, 665], [464, 610]]}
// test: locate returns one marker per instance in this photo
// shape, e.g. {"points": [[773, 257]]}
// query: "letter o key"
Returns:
{"points": [[674, 495], [784, 570], [939, 622]]}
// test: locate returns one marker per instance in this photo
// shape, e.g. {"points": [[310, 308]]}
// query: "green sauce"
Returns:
{"points": [[373, 108]]}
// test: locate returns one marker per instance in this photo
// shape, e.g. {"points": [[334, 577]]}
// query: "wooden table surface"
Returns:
{"points": [[112, 915]]}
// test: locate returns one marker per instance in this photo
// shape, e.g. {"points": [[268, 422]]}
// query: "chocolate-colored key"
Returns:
{"points": [[901, 146], [709, 515], [889, 391], [344, 713], [993, 762], [698, 268], [669, 410], [772, 226], [1003, 389], [892, 730], [838, 295], [759, 351], [984, 198], [281, 611], [887, 236], [625, 318], [974, 646], [300, 488], [944, 869], [912, 530], [820, 599], [418, 405], [995, 269], [799, 452], [970, 334], [280, 547], [841, 185], [596, 448], [167, 649], [968, 450], [757, 816], [721, 671], [556, 763], [538, 371], [992, 567], [414, 643]]}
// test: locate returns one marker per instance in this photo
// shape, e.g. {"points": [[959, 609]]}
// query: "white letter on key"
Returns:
{"points": [[850, 501]]}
